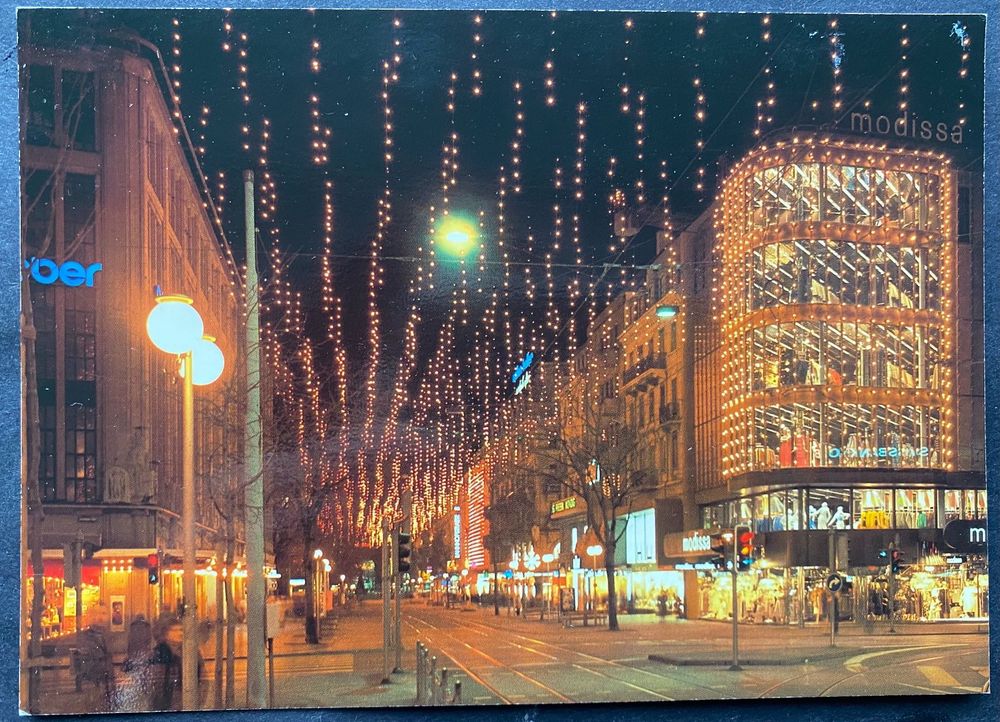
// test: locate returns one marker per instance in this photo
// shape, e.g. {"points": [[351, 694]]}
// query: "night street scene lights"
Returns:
{"points": [[175, 327]]}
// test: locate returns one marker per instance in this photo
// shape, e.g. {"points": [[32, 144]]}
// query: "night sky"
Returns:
{"points": [[591, 64]]}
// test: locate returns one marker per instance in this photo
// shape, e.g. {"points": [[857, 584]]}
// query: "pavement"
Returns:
{"points": [[507, 659]]}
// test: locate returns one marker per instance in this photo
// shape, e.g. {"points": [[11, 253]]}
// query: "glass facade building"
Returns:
{"points": [[837, 273]]}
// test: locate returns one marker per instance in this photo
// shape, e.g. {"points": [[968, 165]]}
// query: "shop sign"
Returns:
{"points": [[562, 505], [696, 543], [687, 544], [522, 384], [966, 535], [881, 452], [70, 273]]}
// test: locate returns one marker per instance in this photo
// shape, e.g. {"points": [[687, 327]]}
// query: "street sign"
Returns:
{"points": [[967, 536], [834, 582]]}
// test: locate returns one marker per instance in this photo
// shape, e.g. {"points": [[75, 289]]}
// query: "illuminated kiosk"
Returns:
{"points": [[837, 403]]}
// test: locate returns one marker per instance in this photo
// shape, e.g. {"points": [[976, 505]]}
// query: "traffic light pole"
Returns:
{"points": [[387, 533], [892, 588], [833, 594]]}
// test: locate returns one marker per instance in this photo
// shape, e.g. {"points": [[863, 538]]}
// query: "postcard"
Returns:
{"points": [[431, 358]]}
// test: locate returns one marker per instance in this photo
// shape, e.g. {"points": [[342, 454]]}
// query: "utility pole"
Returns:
{"points": [[735, 666], [257, 691], [833, 594]]}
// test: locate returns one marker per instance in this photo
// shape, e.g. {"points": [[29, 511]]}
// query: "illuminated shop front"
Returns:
{"points": [[837, 381]]}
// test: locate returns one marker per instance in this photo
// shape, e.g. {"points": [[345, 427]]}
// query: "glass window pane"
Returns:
{"points": [[872, 509]]}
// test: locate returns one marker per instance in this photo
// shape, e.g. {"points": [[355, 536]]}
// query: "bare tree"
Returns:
{"points": [[585, 446]]}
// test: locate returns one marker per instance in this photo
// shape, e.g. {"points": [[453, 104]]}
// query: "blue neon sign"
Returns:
{"points": [[69, 273], [523, 366]]}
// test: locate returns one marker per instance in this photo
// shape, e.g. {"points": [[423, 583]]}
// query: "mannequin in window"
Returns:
{"points": [[840, 519], [823, 516], [800, 364], [802, 443], [813, 511], [784, 446]]}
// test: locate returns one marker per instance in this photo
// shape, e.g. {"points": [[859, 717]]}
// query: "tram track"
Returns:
{"points": [[490, 632]]}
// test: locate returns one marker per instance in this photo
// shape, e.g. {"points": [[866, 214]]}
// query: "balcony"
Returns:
{"points": [[670, 413], [647, 363]]}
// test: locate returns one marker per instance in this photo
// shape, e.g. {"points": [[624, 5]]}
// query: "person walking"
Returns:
{"points": [[165, 663]]}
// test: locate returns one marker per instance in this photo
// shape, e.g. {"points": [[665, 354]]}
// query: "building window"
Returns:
{"points": [[38, 212], [39, 92], [673, 335], [640, 537], [915, 509], [81, 454], [660, 343], [829, 509], [79, 113], [872, 509], [47, 460], [673, 451]]}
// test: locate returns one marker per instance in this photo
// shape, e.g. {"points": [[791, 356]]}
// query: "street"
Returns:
{"points": [[506, 659]]}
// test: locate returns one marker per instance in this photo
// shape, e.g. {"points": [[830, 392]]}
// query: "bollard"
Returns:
{"points": [[443, 686], [420, 697], [432, 680], [457, 697]]}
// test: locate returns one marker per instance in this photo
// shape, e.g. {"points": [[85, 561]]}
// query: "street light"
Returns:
{"points": [[594, 551], [174, 326]]}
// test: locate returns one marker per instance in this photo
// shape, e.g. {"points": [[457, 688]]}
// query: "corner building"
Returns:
{"points": [[840, 373], [108, 178]]}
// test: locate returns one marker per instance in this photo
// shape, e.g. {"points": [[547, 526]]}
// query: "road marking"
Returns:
{"points": [[937, 676], [854, 663], [627, 684]]}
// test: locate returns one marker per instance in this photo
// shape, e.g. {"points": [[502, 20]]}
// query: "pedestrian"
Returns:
{"points": [[95, 668], [165, 675], [139, 645]]}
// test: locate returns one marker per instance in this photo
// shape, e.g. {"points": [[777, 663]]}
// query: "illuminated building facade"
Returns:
{"points": [[848, 400], [108, 179]]}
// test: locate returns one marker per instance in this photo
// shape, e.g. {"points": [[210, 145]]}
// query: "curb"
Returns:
{"points": [[674, 661]]}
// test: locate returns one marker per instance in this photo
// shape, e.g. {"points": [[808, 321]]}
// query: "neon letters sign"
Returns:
{"points": [[70, 273], [890, 452]]}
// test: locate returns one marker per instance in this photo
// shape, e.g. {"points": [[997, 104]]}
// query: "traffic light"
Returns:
{"points": [[153, 568], [403, 552], [897, 560], [744, 548], [720, 545]]}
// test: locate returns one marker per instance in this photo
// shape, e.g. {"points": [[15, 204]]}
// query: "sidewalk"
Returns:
{"points": [[344, 669]]}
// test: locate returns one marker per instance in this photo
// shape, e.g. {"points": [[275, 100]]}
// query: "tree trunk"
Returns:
{"points": [[496, 592], [609, 568], [308, 564], [32, 492], [230, 621]]}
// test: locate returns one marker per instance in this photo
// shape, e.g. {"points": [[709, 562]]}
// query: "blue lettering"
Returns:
{"points": [[70, 273], [834, 453], [881, 451], [864, 453], [893, 451], [924, 451]]}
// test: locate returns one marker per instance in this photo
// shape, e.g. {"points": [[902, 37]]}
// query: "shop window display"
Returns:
{"points": [[842, 272], [951, 505], [915, 509], [854, 195], [974, 504], [872, 509], [811, 353], [829, 509], [844, 435]]}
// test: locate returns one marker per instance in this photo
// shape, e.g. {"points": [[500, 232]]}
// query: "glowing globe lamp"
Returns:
{"points": [[174, 326], [456, 235], [207, 361]]}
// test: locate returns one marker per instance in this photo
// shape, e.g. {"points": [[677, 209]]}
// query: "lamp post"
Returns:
{"points": [[317, 565], [593, 551], [175, 327], [547, 560]]}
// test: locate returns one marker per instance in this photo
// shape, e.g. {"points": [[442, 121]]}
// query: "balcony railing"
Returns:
{"points": [[670, 413], [652, 361]]}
